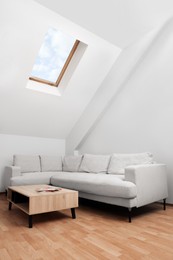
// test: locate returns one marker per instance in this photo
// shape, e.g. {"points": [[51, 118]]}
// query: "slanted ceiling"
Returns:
{"points": [[32, 113], [120, 22], [107, 27]]}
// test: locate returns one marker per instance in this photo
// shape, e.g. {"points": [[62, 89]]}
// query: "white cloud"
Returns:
{"points": [[44, 52], [40, 67], [53, 75]]}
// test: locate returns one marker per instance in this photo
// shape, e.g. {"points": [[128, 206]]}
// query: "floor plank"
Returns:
{"points": [[100, 231]]}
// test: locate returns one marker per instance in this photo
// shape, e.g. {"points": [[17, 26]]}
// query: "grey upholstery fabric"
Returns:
{"points": [[32, 179], [128, 203], [71, 163], [94, 163], [118, 162], [27, 163], [99, 184], [142, 184], [150, 181], [51, 163]]}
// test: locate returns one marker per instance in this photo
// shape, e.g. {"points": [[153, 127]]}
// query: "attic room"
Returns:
{"points": [[113, 105]]}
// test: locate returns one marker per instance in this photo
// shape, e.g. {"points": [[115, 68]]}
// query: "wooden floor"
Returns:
{"points": [[99, 232]]}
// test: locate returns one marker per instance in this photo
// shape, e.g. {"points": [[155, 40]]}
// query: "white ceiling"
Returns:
{"points": [[27, 112], [108, 25], [118, 21]]}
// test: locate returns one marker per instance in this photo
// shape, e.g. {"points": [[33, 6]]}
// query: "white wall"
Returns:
{"points": [[140, 118], [122, 70], [13, 144]]}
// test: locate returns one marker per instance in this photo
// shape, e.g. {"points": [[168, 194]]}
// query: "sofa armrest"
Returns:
{"points": [[150, 180], [11, 171]]}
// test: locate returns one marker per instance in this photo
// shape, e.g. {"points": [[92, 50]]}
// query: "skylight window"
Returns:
{"points": [[54, 57]]}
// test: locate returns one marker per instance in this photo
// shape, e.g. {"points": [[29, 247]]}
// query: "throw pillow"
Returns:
{"points": [[71, 163], [27, 163], [51, 163], [118, 162], [94, 163]]}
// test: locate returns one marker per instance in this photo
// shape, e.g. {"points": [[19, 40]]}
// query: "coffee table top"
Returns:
{"points": [[32, 190]]}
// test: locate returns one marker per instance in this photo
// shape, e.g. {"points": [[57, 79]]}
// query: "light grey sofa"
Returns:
{"points": [[128, 180]]}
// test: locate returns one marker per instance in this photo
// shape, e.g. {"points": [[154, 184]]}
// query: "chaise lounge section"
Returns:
{"points": [[127, 180]]}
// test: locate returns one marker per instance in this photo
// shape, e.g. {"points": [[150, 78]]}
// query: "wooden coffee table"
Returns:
{"points": [[32, 202]]}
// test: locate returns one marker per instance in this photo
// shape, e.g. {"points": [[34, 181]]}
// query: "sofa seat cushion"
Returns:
{"points": [[99, 184], [27, 163], [32, 178]]}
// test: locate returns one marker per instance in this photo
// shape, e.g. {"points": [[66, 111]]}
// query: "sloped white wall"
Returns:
{"points": [[140, 118], [13, 144], [122, 70]]}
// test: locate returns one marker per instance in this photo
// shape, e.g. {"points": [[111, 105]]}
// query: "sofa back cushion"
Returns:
{"points": [[94, 163], [118, 162], [71, 163], [27, 163], [51, 163]]}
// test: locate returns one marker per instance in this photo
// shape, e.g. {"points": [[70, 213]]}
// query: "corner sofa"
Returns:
{"points": [[127, 180]]}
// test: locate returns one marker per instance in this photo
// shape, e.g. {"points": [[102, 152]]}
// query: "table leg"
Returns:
{"points": [[30, 221], [73, 213]]}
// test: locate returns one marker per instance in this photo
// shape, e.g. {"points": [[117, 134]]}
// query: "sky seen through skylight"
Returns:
{"points": [[52, 55]]}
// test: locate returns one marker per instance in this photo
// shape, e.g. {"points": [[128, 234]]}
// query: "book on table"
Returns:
{"points": [[48, 189]]}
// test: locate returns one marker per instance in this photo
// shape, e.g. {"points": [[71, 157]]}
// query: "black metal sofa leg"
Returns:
{"points": [[130, 215], [130, 210], [164, 204]]}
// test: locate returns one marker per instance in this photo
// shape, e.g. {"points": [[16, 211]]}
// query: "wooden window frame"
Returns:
{"points": [[55, 84]]}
